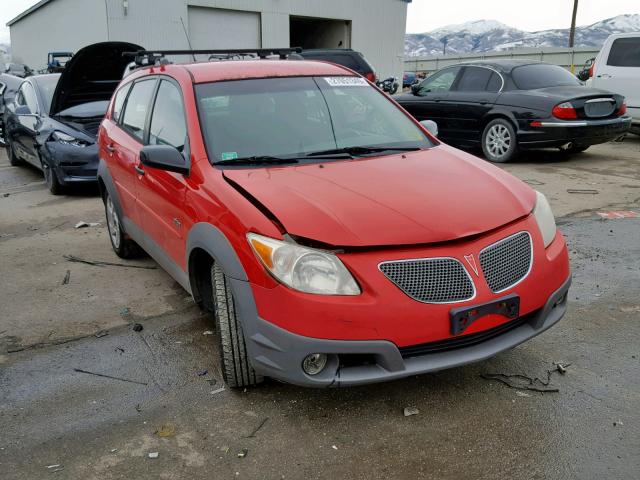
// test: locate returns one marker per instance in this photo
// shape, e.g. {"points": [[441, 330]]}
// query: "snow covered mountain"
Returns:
{"points": [[491, 35]]}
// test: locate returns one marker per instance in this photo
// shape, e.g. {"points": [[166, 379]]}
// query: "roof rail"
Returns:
{"points": [[150, 57]]}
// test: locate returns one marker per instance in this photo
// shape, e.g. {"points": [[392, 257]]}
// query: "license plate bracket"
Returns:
{"points": [[461, 318]]}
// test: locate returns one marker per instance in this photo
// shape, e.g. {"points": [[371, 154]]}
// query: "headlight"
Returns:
{"points": [[304, 269], [68, 139], [544, 217]]}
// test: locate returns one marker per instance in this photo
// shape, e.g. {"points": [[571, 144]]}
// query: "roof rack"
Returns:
{"points": [[150, 57]]}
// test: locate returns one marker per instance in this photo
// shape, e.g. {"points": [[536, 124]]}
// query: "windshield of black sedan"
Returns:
{"points": [[541, 75], [296, 116]]}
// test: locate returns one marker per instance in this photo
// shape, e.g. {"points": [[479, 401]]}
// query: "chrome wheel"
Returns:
{"points": [[113, 222], [498, 140]]}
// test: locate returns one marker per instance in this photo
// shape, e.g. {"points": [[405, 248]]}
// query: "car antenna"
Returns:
{"points": [[186, 34]]}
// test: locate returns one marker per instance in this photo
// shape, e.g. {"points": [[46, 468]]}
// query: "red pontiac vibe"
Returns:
{"points": [[335, 240]]}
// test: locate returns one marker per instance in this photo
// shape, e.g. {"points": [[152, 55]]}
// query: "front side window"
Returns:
{"points": [[135, 112], [441, 81], [625, 52], [168, 126], [118, 103], [542, 75], [29, 96], [298, 116]]}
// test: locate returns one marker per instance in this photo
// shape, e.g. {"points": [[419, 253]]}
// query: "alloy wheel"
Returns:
{"points": [[113, 222], [498, 140]]}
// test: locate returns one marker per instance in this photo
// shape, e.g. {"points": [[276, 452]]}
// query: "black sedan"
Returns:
{"points": [[507, 106], [9, 86], [54, 119]]}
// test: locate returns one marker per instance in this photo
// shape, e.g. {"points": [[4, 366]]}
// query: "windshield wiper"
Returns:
{"points": [[360, 150], [257, 160]]}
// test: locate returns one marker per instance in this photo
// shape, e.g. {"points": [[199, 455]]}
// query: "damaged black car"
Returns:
{"points": [[53, 120]]}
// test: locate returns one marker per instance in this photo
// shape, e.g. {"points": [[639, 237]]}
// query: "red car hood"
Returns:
{"points": [[435, 195]]}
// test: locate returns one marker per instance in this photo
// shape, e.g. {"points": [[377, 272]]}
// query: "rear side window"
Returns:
{"points": [[495, 83], [118, 103], [168, 125], [542, 75], [474, 79], [625, 52], [135, 112]]}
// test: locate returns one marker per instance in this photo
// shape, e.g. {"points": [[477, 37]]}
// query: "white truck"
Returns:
{"points": [[617, 69]]}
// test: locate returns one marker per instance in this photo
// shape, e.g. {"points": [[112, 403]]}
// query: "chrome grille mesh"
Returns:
{"points": [[506, 262], [431, 280]]}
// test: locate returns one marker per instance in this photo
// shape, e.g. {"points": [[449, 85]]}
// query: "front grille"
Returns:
{"points": [[600, 107], [463, 341], [431, 280], [507, 262]]}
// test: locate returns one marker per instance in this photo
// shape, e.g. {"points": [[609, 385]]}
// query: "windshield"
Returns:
{"points": [[530, 77], [47, 85], [297, 116], [86, 110]]}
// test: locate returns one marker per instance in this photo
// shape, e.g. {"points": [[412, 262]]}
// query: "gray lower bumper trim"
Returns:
{"points": [[278, 353]]}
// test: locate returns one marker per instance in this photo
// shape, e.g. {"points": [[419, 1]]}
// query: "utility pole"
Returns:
{"points": [[572, 32], [444, 41]]}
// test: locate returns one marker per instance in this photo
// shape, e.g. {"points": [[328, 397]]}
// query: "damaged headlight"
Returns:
{"points": [[546, 221], [68, 139], [302, 268]]}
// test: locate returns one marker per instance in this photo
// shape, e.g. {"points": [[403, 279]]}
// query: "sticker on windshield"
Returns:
{"points": [[229, 155], [346, 81]]}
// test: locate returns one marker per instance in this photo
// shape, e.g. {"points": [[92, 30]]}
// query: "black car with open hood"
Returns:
{"points": [[54, 119]]}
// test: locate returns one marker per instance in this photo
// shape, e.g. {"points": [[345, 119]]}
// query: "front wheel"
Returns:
{"points": [[52, 181], [13, 159], [234, 360], [499, 143]]}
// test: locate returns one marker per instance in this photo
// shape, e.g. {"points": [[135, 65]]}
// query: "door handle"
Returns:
{"points": [[138, 170], [110, 148]]}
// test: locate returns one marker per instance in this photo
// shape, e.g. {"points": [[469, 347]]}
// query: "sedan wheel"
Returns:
{"points": [[52, 181], [499, 141], [13, 160]]}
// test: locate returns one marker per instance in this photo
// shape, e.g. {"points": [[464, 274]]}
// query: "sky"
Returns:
{"points": [[531, 16], [426, 15]]}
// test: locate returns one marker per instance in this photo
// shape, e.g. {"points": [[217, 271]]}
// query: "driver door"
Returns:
{"points": [[24, 135], [430, 99]]}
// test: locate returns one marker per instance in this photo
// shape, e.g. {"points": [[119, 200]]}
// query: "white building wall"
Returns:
{"points": [[377, 26]]}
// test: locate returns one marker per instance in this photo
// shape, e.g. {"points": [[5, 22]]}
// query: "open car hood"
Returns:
{"points": [[91, 75], [435, 195]]}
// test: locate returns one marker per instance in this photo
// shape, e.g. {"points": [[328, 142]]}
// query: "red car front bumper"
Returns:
{"points": [[383, 333]]}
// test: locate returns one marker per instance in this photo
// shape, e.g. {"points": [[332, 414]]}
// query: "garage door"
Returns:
{"points": [[215, 28]]}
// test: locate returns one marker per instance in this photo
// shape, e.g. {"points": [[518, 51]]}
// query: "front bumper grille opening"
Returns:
{"points": [[431, 280], [507, 262], [464, 341]]}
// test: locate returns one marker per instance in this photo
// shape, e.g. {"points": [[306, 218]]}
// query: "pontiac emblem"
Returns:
{"points": [[471, 260]]}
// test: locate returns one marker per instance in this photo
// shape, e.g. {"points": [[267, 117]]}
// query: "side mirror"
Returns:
{"points": [[164, 157], [23, 110], [431, 126], [414, 88]]}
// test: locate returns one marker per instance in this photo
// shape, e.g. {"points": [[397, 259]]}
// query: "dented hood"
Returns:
{"points": [[92, 75], [435, 195]]}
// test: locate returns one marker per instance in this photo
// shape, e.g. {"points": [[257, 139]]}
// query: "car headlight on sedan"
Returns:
{"points": [[546, 221], [68, 139], [304, 269]]}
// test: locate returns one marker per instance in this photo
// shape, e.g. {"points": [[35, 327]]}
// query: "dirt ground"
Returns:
{"points": [[166, 398]]}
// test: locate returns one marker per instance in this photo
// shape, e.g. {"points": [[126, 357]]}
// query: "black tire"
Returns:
{"points": [[13, 160], [574, 148], [499, 142], [52, 181], [120, 242], [234, 360]]}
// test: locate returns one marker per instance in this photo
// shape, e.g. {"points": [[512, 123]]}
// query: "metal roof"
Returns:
{"points": [[42, 3], [28, 11]]}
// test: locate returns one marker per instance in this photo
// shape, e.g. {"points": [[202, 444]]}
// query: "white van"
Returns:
{"points": [[617, 69]]}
